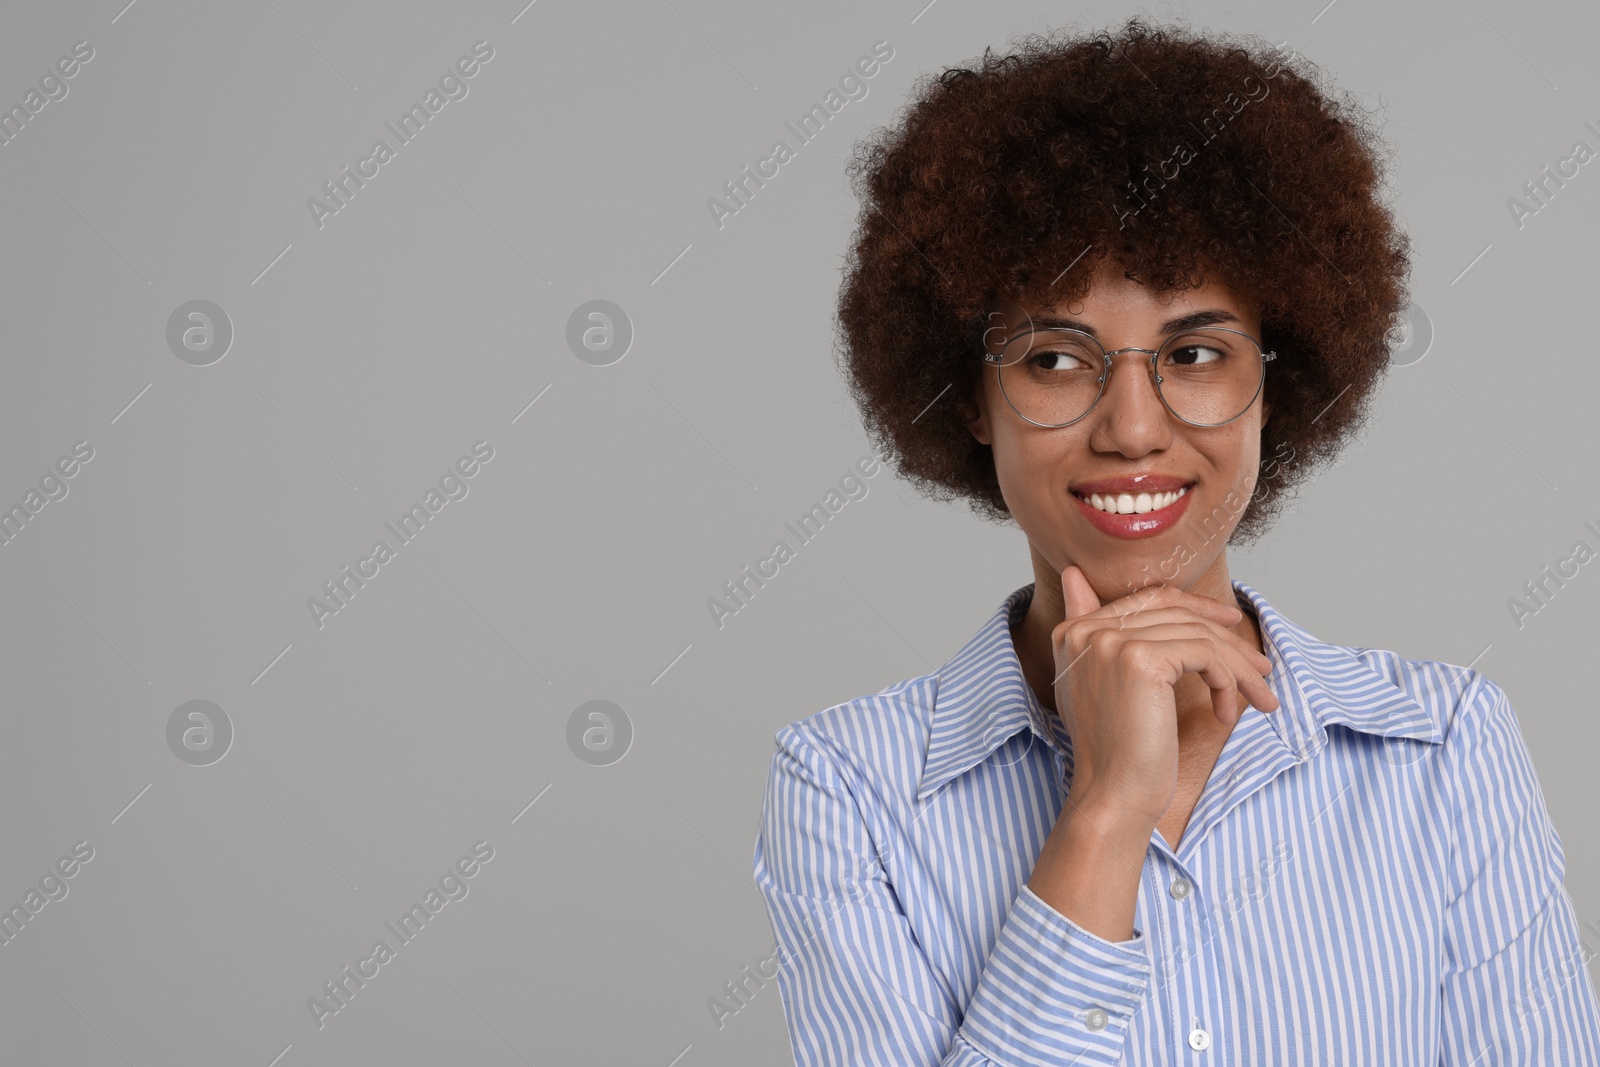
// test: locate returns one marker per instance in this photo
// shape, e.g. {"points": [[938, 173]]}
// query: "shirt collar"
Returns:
{"points": [[981, 699]]}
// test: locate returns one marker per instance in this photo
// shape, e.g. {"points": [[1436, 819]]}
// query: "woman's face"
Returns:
{"points": [[1129, 443]]}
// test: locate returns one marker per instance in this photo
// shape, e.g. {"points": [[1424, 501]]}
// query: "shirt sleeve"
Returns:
{"points": [[1515, 986], [856, 987]]}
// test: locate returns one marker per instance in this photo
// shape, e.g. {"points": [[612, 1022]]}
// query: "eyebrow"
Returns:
{"points": [[1208, 317]]}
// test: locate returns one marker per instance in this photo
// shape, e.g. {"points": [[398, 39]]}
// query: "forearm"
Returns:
{"points": [[1089, 868]]}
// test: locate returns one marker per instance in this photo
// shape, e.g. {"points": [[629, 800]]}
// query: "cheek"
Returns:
{"points": [[1241, 458], [1033, 467]]}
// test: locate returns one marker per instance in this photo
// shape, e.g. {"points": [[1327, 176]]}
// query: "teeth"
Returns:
{"points": [[1131, 504]]}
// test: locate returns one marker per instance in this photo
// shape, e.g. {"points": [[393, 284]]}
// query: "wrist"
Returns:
{"points": [[1112, 817], [1089, 869]]}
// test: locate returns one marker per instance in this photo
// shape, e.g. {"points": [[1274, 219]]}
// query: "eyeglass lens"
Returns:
{"points": [[1207, 376]]}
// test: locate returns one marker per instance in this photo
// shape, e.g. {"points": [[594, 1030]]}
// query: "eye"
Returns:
{"points": [[1056, 360], [1197, 354], [1060, 359]]}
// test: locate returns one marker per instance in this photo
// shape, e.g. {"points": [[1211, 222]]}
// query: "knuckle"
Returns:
{"points": [[1161, 594], [1103, 641], [1073, 633], [1135, 653]]}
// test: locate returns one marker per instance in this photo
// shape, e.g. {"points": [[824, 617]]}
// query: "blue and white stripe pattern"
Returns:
{"points": [[1370, 876]]}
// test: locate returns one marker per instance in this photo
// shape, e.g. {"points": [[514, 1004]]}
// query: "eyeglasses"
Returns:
{"points": [[1054, 376]]}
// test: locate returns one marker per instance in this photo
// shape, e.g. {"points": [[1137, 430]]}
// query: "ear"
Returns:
{"points": [[977, 421]]}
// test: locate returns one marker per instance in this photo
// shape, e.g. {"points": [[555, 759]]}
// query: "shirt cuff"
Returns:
{"points": [[1053, 990]]}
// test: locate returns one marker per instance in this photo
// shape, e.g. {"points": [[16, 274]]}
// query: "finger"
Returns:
{"points": [[1254, 687], [1225, 705], [1182, 617], [1081, 599], [1140, 602], [1255, 690], [1228, 668], [1151, 597], [1210, 661]]}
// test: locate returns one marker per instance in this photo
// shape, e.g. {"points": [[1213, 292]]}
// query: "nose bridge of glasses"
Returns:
{"points": [[1146, 356]]}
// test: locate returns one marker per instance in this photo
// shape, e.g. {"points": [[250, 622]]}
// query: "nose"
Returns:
{"points": [[1129, 417]]}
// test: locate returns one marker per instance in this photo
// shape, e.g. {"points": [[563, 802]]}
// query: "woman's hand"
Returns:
{"points": [[1116, 666]]}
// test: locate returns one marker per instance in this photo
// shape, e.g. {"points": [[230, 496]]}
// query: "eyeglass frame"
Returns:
{"points": [[994, 359]]}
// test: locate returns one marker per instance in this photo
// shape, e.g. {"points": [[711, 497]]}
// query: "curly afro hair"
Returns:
{"points": [[1184, 158]]}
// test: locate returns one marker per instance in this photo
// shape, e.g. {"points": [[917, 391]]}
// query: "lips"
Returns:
{"points": [[1164, 498]]}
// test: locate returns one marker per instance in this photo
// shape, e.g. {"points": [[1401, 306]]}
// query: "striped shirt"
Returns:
{"points": [[1370, 876]]}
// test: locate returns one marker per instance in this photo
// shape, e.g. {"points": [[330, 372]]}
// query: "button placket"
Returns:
{"points": [[1172, 943], [1203, 1031], [1192, 959]]}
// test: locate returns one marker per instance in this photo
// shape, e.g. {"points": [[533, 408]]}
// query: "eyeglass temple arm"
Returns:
{"points": [[996, 357]]}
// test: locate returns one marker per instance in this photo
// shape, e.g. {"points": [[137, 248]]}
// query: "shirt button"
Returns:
{"points": [[1199, 1040], [1180, 888], [1095, 1019]]}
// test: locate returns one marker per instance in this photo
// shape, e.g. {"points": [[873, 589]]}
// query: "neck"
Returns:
{"points": [[1048, 610]]}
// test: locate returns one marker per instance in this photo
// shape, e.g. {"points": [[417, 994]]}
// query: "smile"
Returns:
{"points": [[1126, 515], [1131, 503]]}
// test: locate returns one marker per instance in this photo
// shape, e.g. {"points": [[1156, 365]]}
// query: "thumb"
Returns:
{"points": [[1079, 594]]}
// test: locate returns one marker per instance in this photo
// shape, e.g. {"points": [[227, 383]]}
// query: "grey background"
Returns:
{"points": [[369, 754]]}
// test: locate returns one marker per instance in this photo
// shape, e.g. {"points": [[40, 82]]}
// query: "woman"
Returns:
{"points": [[1127, 292]]}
